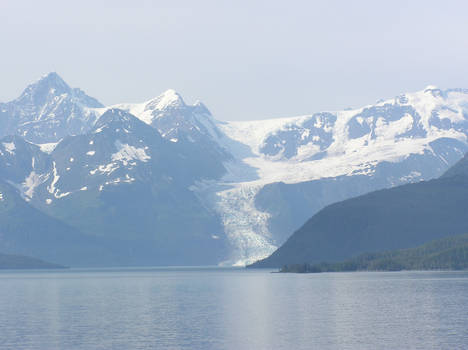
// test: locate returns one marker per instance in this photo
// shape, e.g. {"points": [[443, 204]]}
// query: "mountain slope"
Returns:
{"points": [[123, 182], [400, 217], [8, 261], [449, 253], [25, 230], [459, 169]]}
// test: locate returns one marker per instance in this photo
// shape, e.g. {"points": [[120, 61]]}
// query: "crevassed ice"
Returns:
{"points": [[244, 225]]}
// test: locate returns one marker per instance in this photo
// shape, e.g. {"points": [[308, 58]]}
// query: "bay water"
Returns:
{"points": [[230, 308]]}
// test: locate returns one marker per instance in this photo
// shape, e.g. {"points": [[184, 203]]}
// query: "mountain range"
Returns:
{"points": [[164, 182]]}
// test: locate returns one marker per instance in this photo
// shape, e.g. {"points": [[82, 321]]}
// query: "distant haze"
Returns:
{"points": [[244, 59]]}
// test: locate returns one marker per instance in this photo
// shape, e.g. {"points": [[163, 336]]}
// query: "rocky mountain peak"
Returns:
{"points": [[37, 93], [169, 99]]}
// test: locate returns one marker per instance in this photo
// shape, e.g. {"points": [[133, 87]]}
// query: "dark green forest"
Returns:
{"points": [[8, 261], [449, 253]]}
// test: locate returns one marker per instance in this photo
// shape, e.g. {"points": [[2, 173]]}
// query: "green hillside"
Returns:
{"points": [[8, 261], [449, 253]]}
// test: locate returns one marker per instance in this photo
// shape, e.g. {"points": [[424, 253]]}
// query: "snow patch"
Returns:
{"points": [[168, 98], [31, 182], [108, 168], [411, 176], [389, 130], [51, 188], [455, 116], [48, 148], [9, 147], [126, 153], [118, 180]]}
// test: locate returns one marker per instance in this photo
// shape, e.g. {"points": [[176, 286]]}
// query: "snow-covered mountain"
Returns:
{"points": [[303, 163], [179, 122], [260, 179], [173, 118], [47, 111]]}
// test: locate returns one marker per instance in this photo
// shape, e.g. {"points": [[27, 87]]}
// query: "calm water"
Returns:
{"points": [[232, 309]]}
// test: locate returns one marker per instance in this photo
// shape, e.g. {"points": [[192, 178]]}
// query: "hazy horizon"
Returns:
{"points": [[244, 60]]}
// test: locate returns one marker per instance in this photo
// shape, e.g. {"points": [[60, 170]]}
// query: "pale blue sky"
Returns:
{"points": [[244, 59]]}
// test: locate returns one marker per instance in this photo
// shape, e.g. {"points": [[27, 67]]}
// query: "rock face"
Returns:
{"points": [[168, 172], [401, 217]]}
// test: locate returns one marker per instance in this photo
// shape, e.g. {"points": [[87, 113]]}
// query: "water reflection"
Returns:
{"points": [[232, 309]]}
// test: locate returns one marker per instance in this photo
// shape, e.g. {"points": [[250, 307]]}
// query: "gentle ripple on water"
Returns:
{"points": [[211, 308]]}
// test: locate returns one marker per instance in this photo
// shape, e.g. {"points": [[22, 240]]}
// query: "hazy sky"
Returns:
{"points": [[243, 59]]}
